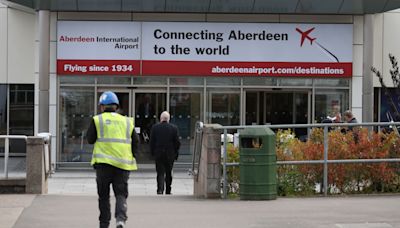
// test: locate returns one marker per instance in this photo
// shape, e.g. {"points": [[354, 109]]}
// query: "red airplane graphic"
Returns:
{"points": [[305, 35]]}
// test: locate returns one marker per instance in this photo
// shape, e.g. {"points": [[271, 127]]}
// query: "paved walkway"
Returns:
{"points": [[66, 211], [72, 202], [141, 183]]}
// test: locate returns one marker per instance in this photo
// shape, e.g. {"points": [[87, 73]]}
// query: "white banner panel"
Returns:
{"points": [[247, 42], [91, 40], [98, 47]]}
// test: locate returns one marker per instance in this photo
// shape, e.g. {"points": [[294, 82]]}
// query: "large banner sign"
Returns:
{"points": [[206, 49]]}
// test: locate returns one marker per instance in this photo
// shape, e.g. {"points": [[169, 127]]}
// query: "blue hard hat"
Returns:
{"points": [[108, 98]]}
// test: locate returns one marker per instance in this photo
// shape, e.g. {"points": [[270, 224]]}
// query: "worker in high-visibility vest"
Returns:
{"points": [[115, 143]]}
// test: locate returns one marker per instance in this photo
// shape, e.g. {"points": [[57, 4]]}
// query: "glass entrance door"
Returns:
{"points": [[185, 112], [148, 107], [271, 107]]}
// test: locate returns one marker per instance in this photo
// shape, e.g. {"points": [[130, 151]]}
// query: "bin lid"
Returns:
{"points": [[253, 131]]}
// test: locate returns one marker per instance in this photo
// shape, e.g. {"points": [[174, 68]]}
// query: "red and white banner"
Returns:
{"points": [[205, 49]]}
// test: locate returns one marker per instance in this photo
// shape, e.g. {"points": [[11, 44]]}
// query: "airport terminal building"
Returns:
{"points": [[221, 61]]}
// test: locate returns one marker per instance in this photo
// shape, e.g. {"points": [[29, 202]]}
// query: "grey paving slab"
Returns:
{"points": [[11, 207], [185, 211]]}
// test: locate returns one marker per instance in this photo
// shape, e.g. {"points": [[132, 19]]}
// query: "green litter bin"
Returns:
{"points": [[257, 164]]}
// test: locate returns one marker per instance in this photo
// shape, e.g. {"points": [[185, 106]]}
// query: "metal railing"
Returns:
{"points": [[198, 138], [325, 161], [7, 149]]}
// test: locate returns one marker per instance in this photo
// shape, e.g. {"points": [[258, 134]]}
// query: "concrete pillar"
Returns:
{"points": [[368, 55], [208, 183], [44, 69], [36, 179]]}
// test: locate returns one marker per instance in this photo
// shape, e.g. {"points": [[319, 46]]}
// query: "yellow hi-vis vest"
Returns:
{"points": [[113, 144]]}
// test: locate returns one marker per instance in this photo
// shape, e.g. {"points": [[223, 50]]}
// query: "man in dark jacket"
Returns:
{"points": [[164, 146], [349, 117]]}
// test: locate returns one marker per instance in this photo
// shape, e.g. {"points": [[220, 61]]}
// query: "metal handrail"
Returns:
{"points": [[7, 149], [197, 150], [325, 161], [278, 126]]}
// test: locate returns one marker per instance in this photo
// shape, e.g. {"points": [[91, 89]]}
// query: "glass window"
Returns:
{"points": [[231, 81], [76, 80], [225, 108], [76, 112], [3, 114], [329, 103], [377, 104], [186, 81], [390, 105], [332, 82], [260, 81], [3, 109], [21, 115], [114, 80], [150, 80]]}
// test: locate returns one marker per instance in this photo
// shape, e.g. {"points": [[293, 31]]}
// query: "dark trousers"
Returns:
{"points": [[118, 178], [164, 174]]}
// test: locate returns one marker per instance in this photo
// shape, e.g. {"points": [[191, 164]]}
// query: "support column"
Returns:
{"points": [[44, 69], [368, 56]]}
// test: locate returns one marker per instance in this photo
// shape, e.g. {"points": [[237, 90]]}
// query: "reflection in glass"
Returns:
{"points": [[76, 80], [186, 81], [185, 112], [332, 82], [150, 81], [225, 108], [21, 115], [76, 112], [295, 82], [223, 81], [329, 102], [258, 81], [114, 80], [148, 107]]}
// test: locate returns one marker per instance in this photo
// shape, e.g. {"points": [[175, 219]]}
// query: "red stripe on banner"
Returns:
{"points": [[98, 67], [275, 69]]}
